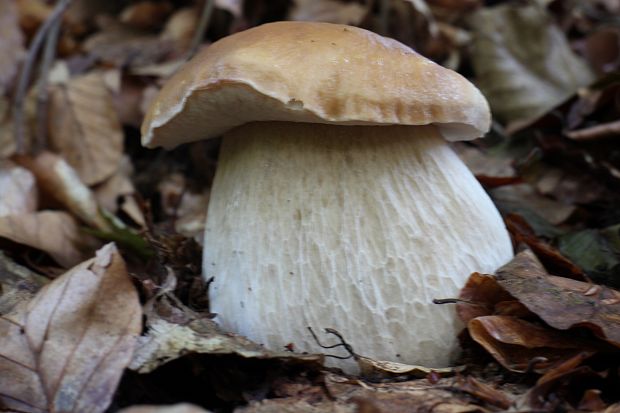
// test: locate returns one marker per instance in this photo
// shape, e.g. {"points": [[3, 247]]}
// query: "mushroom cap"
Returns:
{"points": [[311, 72]]}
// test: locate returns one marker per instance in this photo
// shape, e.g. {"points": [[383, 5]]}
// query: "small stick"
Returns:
{"points": [[24, 76], [43, 95], [596, 132], [201, 28]]}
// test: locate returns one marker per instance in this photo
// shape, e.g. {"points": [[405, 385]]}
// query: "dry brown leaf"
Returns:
{"points": [[180, 27], [480, 296], [330, 11], [175, 408], [85, 129], [182, 331], [66, 351], [17, 284], [484, 392], [146, 14], [378, 369], [122, 46], [12, 45], [32, 13], [54, 232], [60, 181], [116, 193], [18, 189], [522, 232], [521, 346], [561, 302], [234, 7]]}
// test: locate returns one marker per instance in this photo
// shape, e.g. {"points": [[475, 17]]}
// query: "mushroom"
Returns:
{"points": [[337, 201]]}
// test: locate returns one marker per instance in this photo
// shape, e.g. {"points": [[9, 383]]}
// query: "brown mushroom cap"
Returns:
{"points": [[311, 72]]}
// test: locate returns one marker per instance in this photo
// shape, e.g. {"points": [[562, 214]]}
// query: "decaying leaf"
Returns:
{"points": [[480, 297], [145, 14], [523, 63], [331, 11], [377, 369], [54, 232], [17, 284], [85, 128], [120, 45], [175, 408], [180, 27], [522, 232], [521, 346], [561, 302], [18, 189], [523, 199], [597, 251], [61, 182], [12, 44], [66, 351], [189, 333]]}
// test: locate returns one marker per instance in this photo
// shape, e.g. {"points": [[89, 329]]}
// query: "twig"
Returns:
{"points": [[24, 76], [596, 132], [342, 343], [42, 92], [201, 28]]}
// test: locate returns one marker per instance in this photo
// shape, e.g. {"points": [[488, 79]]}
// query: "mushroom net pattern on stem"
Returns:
{"points": [[349, 227]]}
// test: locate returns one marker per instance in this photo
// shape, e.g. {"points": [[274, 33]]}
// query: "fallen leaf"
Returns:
{"points": [[522, 232], [116, 193], [517, 55], [189, 333], [17, 284], [176, 408], [12, 45], [123, 46], [180, 28], [85, 128], [550, 394], [18, 189], [597, 251], [330, 11], [67, 350], [32, 13], [234, 7], [54, 232], [487, 168], [521, 346], [146, 14], [591, 401], [379, 369], [523, 199], [479, 297], [484, 392], [561, 302], [61, 182]]}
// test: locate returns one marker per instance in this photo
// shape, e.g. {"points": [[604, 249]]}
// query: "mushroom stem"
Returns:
{"points": [[357, 228]]}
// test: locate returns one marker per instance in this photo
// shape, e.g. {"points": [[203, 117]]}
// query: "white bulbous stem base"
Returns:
{"points": [[356, 228]]}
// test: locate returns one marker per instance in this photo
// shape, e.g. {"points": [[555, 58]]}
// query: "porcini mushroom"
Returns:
{"points": [[337, 201]]}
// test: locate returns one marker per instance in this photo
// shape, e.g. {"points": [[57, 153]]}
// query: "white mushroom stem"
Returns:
{"points": [[356, 228]]}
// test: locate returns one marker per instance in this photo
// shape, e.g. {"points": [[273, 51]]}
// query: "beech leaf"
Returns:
{"points": [[561, 302], [85, 128], [66, 350], [12, 45], [523, 63], [515, 343], [54, 232], [18, 189]]}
